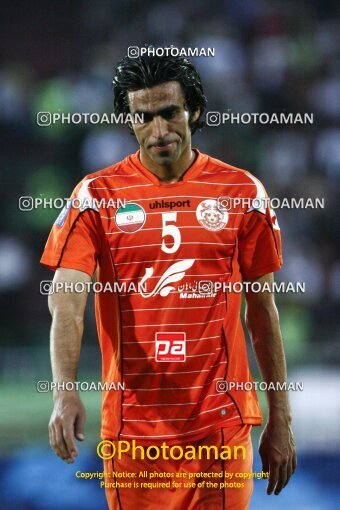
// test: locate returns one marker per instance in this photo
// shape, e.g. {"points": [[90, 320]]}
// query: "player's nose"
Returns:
{"points": [[159, 127]]}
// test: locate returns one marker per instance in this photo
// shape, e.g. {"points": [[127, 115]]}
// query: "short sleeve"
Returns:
{"points": [[259, 244], [81, 248]]}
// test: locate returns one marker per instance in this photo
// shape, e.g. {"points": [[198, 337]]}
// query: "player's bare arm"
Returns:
{"points": [[277, 447], [68, 416]]}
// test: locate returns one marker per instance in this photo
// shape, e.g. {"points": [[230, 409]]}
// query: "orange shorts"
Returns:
{"points": [[200, 493]]}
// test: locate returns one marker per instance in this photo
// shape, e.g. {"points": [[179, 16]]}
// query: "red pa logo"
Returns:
{"points": [[170, 346]]}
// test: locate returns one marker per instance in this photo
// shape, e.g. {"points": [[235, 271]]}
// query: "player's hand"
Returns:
{"points": [[278, 454], [67, 423]]}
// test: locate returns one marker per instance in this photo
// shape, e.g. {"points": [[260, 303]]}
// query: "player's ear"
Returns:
{"points": [[195, 115]]}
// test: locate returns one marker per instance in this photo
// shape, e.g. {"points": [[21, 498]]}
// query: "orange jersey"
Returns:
{"points": [[173, 333]]}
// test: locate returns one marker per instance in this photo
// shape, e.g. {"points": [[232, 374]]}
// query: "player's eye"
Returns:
{"points": [[170, 113], [147, 117]]}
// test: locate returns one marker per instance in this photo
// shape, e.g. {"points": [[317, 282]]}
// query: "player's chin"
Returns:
{"points": [[165, 160], [166, 157]]}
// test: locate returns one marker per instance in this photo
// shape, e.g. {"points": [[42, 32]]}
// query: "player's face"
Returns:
{"points": [[164, 136]]}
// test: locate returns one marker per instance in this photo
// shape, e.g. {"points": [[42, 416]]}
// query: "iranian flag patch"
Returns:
{"points": [[130, 218]]}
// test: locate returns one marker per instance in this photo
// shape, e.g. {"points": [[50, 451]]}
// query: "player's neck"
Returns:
{"points": [[168, 174]]}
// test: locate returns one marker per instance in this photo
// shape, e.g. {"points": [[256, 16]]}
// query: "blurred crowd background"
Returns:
{"points": [[270, 56]]}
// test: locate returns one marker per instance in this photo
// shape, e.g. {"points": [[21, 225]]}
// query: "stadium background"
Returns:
{"points": [[271, 56]]}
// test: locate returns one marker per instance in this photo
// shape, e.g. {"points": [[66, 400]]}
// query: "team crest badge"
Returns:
{"points": [[130, 218], [210, 216]]}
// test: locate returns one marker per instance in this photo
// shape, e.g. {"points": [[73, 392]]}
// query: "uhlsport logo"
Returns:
{"points": [[170, 346], [210, 216], [130, 218]]}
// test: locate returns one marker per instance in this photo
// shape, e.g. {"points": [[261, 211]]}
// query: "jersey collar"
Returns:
{"points": [[193, 170]]}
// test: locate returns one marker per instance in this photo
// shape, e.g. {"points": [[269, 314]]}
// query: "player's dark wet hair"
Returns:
{"points": [[150, 70]]}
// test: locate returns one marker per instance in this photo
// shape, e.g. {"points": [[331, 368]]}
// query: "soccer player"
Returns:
{"points": [[174, 338]]}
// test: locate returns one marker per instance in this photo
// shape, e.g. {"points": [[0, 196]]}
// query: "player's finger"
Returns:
{"points": [[289, 471], [55, 445], [294, 461], [265, 463], [273, 476], [79, 426], [61, 446], [264, 459], [53, 441], [68, 435], [282, 479]]}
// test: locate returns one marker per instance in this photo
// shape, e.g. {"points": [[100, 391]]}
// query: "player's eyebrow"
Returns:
{"points": [[163, 112]]}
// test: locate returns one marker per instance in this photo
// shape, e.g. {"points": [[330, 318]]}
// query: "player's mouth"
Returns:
{"points": [[162, 147]]}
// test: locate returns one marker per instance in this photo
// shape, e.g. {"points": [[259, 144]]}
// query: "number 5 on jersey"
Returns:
{"points": [[170, 230]]}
